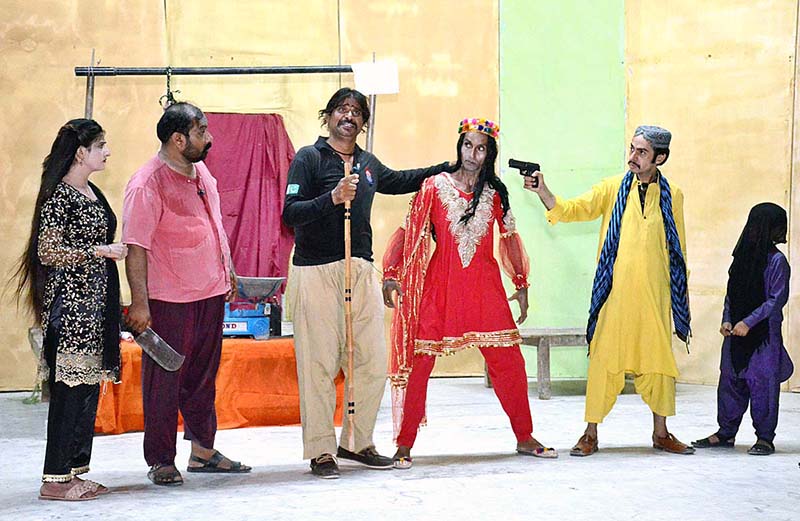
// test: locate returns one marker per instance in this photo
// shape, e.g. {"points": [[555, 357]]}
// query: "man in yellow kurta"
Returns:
{"points": [[639, 287]]}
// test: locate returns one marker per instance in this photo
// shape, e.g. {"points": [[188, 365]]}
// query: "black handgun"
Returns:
{"points": [[526, 169]]}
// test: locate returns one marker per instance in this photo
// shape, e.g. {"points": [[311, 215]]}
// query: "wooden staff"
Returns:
{"points": [[348, 323]]}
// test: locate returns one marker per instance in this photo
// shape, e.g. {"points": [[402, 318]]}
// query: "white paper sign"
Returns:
{"points": [[378, 77]]}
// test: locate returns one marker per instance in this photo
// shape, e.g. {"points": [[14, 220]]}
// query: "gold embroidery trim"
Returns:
{"points": [[509, 223], [467, 235], [450, 345], [56, 478], [80, 470]]}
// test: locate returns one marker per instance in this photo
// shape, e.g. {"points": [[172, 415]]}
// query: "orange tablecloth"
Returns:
{"points": [[256, 385]]}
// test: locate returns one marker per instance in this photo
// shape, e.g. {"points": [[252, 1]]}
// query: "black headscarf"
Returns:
{"points": [[766, 227]]}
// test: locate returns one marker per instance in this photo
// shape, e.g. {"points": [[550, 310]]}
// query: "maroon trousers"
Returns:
{"points": [[507, 372], [193, 329]]}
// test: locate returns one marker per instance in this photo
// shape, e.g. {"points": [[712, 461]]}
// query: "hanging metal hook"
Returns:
{"points": [[168, 99]]}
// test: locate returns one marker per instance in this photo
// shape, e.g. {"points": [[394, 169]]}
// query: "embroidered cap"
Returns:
{"points": [[657, 136], [485, 126]]}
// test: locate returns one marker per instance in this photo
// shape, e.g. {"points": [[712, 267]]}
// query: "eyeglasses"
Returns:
{"points": [[345, 109]]}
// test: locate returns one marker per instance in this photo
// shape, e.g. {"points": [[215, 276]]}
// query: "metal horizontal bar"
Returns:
{"points": [[199, 71]]}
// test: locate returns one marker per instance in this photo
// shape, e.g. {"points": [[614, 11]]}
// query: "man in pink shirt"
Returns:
{"points": [[180, 274]]}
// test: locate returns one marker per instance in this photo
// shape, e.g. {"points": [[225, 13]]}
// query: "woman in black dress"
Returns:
{"points": [[68, 278]]}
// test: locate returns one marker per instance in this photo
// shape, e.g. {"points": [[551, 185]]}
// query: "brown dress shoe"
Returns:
{"points": [[586, 446], [670, 443]]}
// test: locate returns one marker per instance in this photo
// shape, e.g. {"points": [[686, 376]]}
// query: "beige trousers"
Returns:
{"points": [[315, 304]]}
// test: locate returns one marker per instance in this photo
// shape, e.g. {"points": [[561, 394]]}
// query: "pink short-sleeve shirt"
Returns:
{"points": [[187, 249]]}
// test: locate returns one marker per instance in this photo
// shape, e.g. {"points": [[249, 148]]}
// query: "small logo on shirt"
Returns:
{"points": [[368, 175], [292, 189]]}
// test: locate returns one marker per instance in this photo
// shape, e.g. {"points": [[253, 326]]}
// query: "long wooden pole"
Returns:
{"points": [[348, 323], [89, 105]]}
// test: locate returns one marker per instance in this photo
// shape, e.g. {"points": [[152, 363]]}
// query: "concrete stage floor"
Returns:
{"points": [[465, 468]]}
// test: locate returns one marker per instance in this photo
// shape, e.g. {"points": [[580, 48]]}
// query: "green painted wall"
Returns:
{"points": [[562, 104]]}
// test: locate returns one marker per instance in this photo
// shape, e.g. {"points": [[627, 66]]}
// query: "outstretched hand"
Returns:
{"points": [[521, 296], [391, 286]]}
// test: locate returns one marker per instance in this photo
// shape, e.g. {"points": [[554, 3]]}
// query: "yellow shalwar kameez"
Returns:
{"points": [[634, 328]]}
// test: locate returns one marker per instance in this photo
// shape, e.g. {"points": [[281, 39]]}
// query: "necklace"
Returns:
{"points": [[340, 152]]}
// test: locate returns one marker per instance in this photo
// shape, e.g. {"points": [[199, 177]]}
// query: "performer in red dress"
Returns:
{"points": [[454, 299]]}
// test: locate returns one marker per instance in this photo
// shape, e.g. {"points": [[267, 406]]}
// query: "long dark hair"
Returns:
{"points": [[30, 272], [487, 176]]}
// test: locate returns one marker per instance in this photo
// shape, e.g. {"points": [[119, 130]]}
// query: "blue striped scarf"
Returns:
{"points": [[604, 276]]}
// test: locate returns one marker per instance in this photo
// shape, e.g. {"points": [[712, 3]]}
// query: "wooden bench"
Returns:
{"points": [[544, 339]]}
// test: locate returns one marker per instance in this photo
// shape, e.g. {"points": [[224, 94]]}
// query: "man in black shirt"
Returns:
{"points": [[314, 207]]}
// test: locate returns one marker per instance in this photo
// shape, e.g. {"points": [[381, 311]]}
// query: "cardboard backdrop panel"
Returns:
{"points": [[40, 44], [443, 77], [721, 79]]}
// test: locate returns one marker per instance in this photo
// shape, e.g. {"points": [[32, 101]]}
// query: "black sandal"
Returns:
{"points": [[721, 443], [761, 448], [211, 465], [164, 478]]}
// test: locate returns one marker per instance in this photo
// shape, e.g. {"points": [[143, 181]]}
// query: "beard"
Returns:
{"points": [[195, 155]]}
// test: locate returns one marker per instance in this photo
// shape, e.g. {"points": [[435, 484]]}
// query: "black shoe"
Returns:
{"points": [[761, 448], [706, 443], [368, 457], [325, 467]]}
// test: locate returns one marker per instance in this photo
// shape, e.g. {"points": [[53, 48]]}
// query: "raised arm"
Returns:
{"points": [[404, 181]]}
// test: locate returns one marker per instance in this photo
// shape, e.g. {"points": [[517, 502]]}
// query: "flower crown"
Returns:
{"points": [[485, 126]]}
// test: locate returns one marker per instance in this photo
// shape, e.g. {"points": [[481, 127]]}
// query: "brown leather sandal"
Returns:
{"points": [[670, 443], [586, 446]]}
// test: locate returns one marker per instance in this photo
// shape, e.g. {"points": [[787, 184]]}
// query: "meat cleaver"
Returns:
{"points": [[159, 350]]}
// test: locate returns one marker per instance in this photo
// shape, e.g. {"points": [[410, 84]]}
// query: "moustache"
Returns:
{"points": [[631, 163]]}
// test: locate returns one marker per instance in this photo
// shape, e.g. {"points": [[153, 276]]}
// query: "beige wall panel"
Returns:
{"points": [[258, 33], [720, 78], [40, 43], [444, 77], [442, 80], [793, 317]]}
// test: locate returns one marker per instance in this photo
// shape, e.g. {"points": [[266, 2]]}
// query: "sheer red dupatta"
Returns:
{"points": [[406, 260], [514, 259]]}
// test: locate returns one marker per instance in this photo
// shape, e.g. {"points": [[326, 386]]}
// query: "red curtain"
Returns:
{"points": [[250, 159]]}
